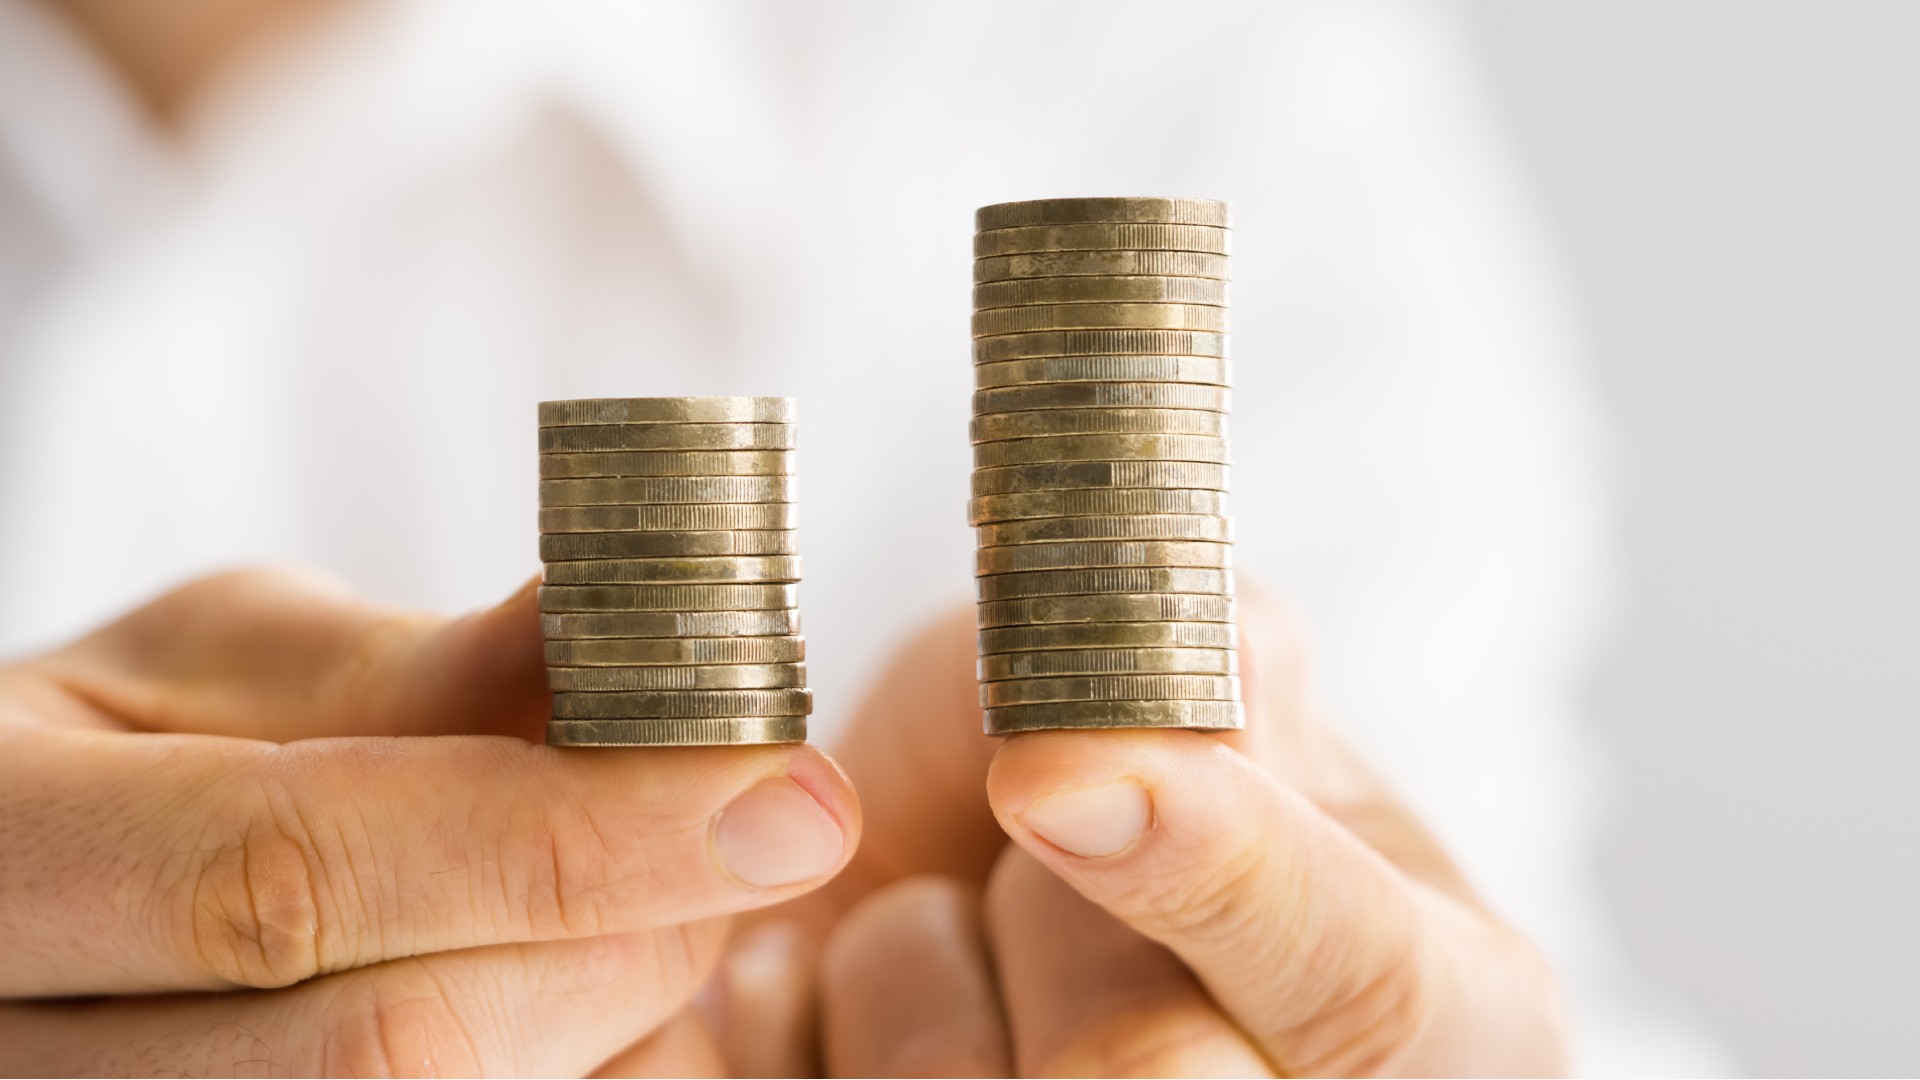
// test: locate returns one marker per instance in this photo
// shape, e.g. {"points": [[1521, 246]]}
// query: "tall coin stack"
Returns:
{"points": [[669, 596], [1104, 553]]}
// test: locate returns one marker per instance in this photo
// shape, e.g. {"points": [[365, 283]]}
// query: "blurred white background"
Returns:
{"points": [[1736, 186]]}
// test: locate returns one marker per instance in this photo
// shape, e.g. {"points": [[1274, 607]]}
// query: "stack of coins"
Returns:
{"points": [[668, 603], [1100, 465]]}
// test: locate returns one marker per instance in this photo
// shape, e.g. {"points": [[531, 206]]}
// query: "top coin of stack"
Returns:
{"points": [[668, 602], [1104, 553]]}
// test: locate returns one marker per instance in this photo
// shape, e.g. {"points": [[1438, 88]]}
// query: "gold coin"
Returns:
{"points": [[1111, 579], [1077, 555], [994, 695], [678, 677], [1069, 475], [1046, 343], [720, 731], [1099, 289], [1048, 370], [1106, 715], [1099, 395], [561, 547], [675, 518], [599, 437], [1138, 635], [1105, 608], [668, 463], [629, 652], [1102, 264], [681, 703], [668, 410], [753, 597], [1028, 239], [1028, 665], [1124, 527], [994, 455], [654, 625], [1013, 215], [1025, 320], [1089, 502], [1046, 423], [653, 490], [718, 568]]}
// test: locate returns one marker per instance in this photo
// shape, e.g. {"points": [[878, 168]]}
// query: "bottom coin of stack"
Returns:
{"points": [[1104, 553], [668, 600]]}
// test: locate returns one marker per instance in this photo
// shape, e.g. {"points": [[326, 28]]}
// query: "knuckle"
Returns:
{"points": [[571, 875], [253, 911], [1211, 895], [398, 1023]]}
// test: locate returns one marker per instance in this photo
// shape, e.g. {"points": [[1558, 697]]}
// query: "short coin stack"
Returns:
{"points": [[1104, 555], [668, 604]]}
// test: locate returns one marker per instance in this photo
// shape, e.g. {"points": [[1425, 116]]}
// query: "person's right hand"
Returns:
{"points": [[234, 789]]}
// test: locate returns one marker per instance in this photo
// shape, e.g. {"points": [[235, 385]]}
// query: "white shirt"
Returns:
{"points": [[314, 329]]}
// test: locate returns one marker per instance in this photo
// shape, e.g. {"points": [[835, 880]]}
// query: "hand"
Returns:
{"points": [[1172, 903], [335, 813]]}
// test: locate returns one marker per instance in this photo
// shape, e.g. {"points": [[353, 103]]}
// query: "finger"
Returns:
{"points": [[762, 1005], [1306, 936], [143, 862], [1089, 997], [906, 989], [284, 655], [681, 1047], [555, 1009]]}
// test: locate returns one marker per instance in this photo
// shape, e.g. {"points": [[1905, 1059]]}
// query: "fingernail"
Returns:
{"points": [[1092, 822], [775, 834]]}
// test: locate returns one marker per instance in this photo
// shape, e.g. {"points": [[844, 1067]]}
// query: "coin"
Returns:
{"points": [[1046, 343], [719, 731], [1025, 320], [1106, 608], [668, 463], [681, 703], [678, 677], [1011, 215], [1139, 447], [613, 490], [754, 597], [560, 547], [712, 516], [1125, 527], [1097, 289], [1027, 239], [1100, 263], [994, 695], [1025, 665], [670, 410], [1055, 715], [1079, 554], [1085, 502], [1045, 423], [717, 568], [1069, 475], [1168, 635], [1211, 370], [666, 437], [1112, 579], [788, 649], [655, 625], [1100, 395]]}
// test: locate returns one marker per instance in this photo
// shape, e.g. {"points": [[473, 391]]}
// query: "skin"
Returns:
{"points": [[338, 817]]}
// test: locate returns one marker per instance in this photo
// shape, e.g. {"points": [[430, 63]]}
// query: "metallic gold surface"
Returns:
{"points": [[1125, 527], [1047, 370], [718, 568], [1167, 635], [1071, 475], [1102, 263], [656, 625], [671, 410], [1026, 320], [1102, 395], [563, 547], [1057, 715], [1028, 665], [756, 597], [599, 437], [1131, 289], [616, 490], [668, 517], [1027, 239], [678, 677], [629, 652], [1085, 502], [1012, 215], [696, 704], [719, 731], [667, 463], [1112, 579], [1047, 423], [1139, 447], [1079, 554], [1105, 608], [1045, 343], [994, 695]]}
